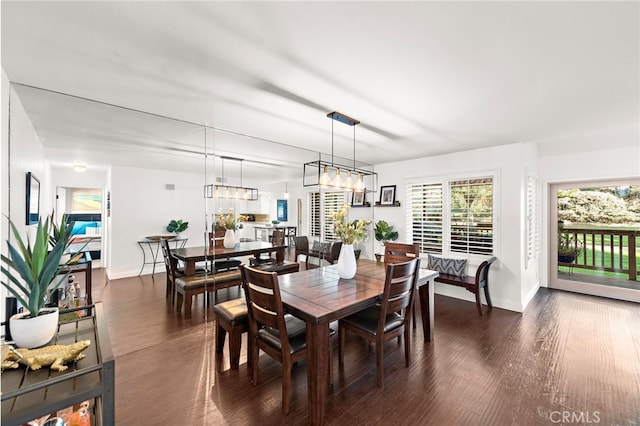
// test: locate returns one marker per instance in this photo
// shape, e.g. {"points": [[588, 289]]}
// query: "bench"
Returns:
{"points": [[187, 287], [473, 283]]}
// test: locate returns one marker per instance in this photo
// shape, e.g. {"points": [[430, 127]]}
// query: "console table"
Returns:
{"points": [[29, 395], [152, 245]]}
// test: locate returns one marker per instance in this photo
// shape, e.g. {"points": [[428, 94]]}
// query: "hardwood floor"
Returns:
{"points": [[569, 359]]}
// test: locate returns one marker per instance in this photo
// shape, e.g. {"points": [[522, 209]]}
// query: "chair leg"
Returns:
{"points": [[235, 345], [407, 347], [255, 351], [478, 304], [340, 344], [380, 363], [286, 385], [188, 301], [220, 338], [486, 295], [179, 298]]}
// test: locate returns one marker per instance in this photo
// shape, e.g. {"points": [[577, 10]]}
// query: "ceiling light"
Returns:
{"points": [[286, 191], [79, 168], [231, 191], [324, 179]]}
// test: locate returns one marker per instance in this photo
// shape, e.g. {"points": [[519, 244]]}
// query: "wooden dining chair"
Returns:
{"points": [[398, 253], [280, 336], [277, 239], [390, 318], [216, 239]]}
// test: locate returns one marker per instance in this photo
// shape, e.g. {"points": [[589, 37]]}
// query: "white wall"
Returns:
{"points": [[22, 152], [576, 165], [508, 161], [141, 206]]}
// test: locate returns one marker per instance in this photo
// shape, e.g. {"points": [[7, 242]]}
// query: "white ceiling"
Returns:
{"points": [[424, 78]]}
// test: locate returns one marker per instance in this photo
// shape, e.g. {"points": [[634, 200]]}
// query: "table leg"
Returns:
{"points": [[426, 292], [87, 287], [317, 364], [190, 267]]}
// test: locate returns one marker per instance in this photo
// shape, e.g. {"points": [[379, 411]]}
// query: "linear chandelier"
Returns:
{"points": [[231, 192], [325, 179]]}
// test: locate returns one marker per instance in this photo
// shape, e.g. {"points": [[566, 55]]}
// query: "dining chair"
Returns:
{"points": [[280, 336], [398, 253], [277, 239], [216, 239], [173, 269], [388, 319]]}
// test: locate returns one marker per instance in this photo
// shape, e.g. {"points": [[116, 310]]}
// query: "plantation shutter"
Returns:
{"points": [[332, 203], [471, 212], [424, 219], [314, 214]]}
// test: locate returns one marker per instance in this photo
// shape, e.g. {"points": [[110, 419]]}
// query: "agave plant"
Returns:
{"points": [[32, 270]]}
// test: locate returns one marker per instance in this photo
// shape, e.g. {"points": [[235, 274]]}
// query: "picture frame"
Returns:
{"points": [[358, 199], [388, 195], [32, 199], [282, 210]]}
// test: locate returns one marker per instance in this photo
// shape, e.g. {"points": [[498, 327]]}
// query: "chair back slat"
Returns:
{"points": [[264, 302], [399, 289], [277, 238], [170, 262], [398, 253]]}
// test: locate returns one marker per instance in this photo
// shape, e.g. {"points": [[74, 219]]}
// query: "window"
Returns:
{"points": [[321, 207], [452, 216]]}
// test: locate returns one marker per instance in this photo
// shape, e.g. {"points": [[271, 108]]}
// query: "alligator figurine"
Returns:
{"points": [[53, 355]]}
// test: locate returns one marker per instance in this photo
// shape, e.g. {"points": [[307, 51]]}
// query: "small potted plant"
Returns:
{"points": [[568, 247], [32, 271], [383, 233], [230, 222], [177, 226], [348, 233]]}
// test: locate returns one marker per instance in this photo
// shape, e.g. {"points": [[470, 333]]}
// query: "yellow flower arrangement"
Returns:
{"points": [[349, 232], [229, 221]]}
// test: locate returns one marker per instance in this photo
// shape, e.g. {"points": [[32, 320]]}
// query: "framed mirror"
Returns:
{"points": [[33, 199]]}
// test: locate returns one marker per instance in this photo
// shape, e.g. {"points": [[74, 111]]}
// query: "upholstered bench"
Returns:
{"points": [[231, 317], [452, 272], [187, 287]]}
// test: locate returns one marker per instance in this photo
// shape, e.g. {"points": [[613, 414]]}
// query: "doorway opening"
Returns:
{"points": [[595, 247]]}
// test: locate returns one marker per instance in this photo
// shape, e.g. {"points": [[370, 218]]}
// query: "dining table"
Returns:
{"points": [[319, 296], [192, 255]]}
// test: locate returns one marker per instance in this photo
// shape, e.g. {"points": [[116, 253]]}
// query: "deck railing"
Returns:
{"points": [[605, 250]]}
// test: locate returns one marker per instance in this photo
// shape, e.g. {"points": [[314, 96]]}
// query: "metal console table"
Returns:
{"points": [[153, 247], [29, 395]]}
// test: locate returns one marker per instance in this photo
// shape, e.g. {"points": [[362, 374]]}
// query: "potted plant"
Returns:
{"points": [[177, 226], [31, 272], [348, 233], [568, 247], [383, 233], [230, 222]]}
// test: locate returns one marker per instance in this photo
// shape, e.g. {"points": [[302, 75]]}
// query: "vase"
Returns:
{"points": [[347, 262], [229, 239], [34, 332]]}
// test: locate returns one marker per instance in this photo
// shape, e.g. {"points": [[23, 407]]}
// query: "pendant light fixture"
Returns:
{"points": [[286, 191], [230, 191], [343, 175]]}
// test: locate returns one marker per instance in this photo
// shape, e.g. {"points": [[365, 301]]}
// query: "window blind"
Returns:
{"points": [[471, 214], [425, 216]]}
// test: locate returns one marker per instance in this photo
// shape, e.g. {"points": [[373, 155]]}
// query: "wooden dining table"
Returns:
{"points": [[319, 296], [192, 255]]}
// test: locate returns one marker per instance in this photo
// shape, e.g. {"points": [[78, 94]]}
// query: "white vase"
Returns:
{"points": [[347, 262], [34, 332], [229, 239]]}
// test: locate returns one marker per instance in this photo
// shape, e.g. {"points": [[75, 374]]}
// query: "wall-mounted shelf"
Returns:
{"points": [[395, 204], [365, 205]]}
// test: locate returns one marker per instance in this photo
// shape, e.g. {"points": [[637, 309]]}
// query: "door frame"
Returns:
{"points": [[579, 286]]}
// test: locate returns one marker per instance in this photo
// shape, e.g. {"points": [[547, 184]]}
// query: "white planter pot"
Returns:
{"points": [[347, 262], [229, 239], [34, 332]]}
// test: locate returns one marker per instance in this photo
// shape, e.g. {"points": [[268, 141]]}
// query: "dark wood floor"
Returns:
{"points": [[569, 359]]}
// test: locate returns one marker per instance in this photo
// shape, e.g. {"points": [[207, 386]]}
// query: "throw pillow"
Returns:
{"points": [[446, 265], [320, 247]]}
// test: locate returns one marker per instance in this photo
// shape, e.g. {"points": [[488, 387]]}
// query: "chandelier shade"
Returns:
{"points": [[332, 175], [231, 192]]}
